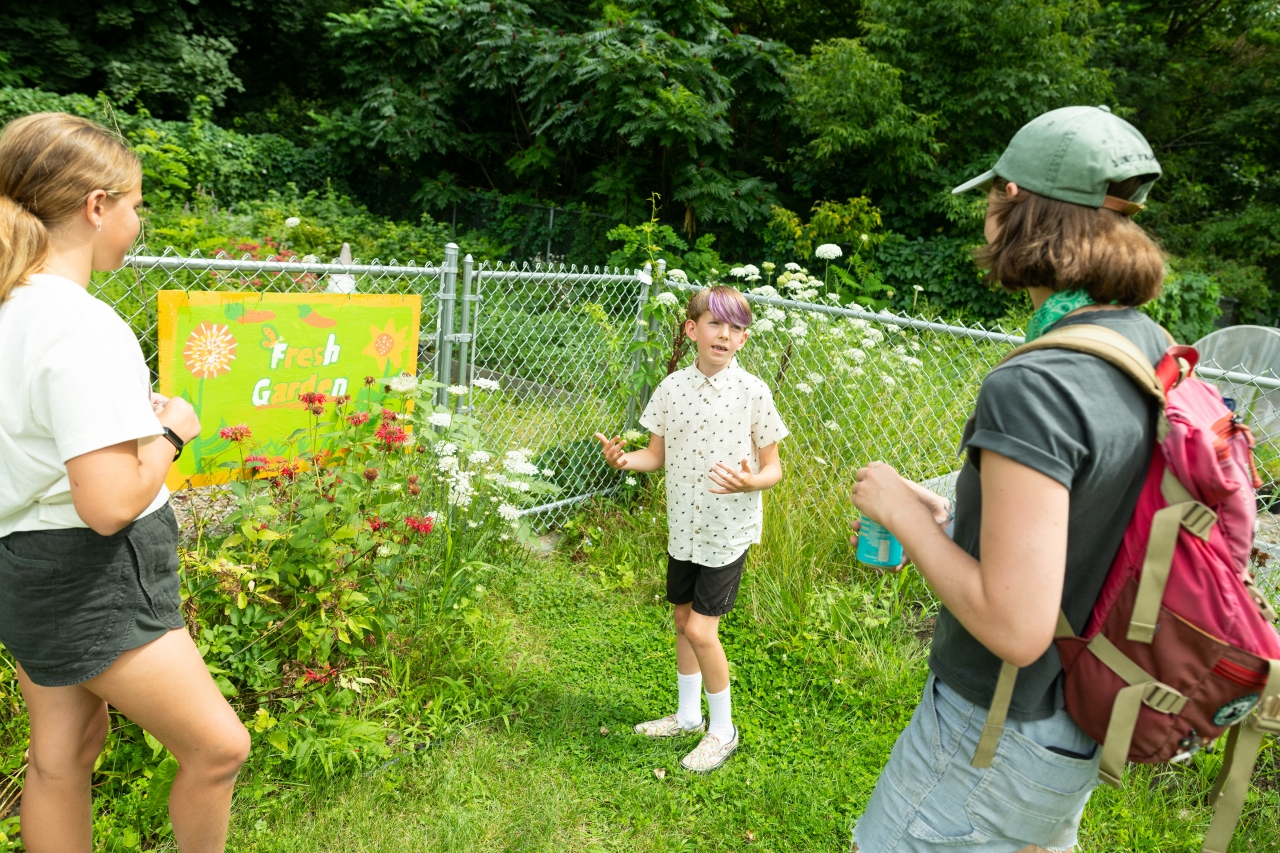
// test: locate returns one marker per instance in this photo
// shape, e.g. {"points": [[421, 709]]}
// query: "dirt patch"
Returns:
{"points": [[202, 512]]}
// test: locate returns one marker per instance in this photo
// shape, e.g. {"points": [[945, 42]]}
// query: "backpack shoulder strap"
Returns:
{"points": [[1101, 342]]}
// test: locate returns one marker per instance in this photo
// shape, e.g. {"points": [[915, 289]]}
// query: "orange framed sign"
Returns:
{"points": [[247, 358]]}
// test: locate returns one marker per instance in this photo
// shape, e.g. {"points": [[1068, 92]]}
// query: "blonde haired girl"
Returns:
{"points": [[89, 594]]}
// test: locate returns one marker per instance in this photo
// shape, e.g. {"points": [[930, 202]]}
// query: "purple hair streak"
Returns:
{"points": [[727, 305]]}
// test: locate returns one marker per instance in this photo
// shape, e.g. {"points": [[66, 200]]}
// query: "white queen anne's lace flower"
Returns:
{"points": [[447, 463], [764, 290], [751, 269], [792, 267], [458, 390], [461, 490], [404, 383], [828, 251], [478, 457], [668, 298], [440, 419], [804, 387], [445, 448], [762, 326], [678, 275], [777, 315], [738, 272], [631, 481], [799, 329], [509, 512], [486, 384], [517, 462], [292, 222]]}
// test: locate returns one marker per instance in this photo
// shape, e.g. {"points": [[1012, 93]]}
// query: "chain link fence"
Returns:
{"points": [[566, 345]]}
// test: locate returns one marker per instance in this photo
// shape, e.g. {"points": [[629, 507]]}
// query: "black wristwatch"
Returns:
{"points": [[177, 442]]}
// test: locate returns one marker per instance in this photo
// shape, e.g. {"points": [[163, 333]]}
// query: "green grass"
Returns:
{"points": [[819, 699]]}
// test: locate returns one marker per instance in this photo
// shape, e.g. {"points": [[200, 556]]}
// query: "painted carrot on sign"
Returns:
{"points": [[312, 318], [236, 311]]}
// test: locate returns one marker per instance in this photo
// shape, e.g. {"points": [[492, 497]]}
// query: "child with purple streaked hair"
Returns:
{"points": [[714, 428]]}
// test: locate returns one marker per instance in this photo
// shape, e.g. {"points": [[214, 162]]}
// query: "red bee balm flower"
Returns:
{"points": [[371, 474], [235, 434], [388, 415], [421, 525], [316, 399], [261, 460], [376, 524], [391, 435], [358, 419]]}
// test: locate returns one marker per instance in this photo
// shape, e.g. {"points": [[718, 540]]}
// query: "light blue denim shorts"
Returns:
{"points": [[929, 797]]}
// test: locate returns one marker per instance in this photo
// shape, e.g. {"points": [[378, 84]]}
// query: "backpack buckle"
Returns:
{"points": [[1267, 717], [1199, 519], [1163, 698]]}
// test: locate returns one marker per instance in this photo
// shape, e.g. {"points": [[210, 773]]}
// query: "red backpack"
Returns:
{"points": [[1180, 647]]}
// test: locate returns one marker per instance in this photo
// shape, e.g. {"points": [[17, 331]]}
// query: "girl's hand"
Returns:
{"points": [[879, 492], [179, 416], [730, 481], [613, 453]]}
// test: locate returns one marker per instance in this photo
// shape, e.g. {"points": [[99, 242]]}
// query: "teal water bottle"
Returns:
{"points": [[877, 546]]}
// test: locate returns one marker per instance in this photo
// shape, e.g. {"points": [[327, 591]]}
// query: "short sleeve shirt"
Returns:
{"points": [[704, 420], [72, 380], [1080, 421]]}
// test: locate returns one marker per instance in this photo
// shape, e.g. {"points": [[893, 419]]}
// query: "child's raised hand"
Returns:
{"points": [[613, 453], [731, 481]]}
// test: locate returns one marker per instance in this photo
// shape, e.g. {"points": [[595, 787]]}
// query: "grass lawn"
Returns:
{"points": [[818, 706]]}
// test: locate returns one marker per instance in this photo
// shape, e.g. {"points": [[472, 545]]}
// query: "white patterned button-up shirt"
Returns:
{"points": [[704, 420]]}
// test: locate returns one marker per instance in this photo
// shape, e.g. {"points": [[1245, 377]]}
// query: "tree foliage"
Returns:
{"points": [[725, 111]]}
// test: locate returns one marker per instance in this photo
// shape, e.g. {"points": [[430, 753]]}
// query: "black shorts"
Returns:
{"points": [[71, 600], [712, 590]]}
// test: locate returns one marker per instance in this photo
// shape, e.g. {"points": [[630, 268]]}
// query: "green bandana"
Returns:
{"points": [[1054, 309]]}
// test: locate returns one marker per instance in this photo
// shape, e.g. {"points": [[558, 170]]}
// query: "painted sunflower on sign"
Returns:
{"points": [[387, 343], [209, 350]]}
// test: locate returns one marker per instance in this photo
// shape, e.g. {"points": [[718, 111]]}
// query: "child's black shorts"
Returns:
{"points": [[712, 590]]}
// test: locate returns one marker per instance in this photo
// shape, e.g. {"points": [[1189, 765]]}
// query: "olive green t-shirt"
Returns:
{"points": [[1075, 418]]}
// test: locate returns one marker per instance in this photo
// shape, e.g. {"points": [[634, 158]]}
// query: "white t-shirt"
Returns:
{"points": [[72, 380]]}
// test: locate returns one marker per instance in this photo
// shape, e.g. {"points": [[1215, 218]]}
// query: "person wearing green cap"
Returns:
{"points": [[1056, 451]]}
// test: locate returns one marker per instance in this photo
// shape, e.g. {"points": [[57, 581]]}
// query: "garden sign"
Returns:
{"points": [[247, 358]]}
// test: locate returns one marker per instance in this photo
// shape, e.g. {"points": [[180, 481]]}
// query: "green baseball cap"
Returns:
{"points": [[1071, 154]]}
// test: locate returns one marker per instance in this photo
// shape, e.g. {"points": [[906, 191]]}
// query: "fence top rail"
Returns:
{"points": [[883, 317], [171, 262], [1263, 382], [534, 275]]}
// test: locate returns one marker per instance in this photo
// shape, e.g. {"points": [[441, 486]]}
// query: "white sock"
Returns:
{"points": [[690, 711], [721, 724]]}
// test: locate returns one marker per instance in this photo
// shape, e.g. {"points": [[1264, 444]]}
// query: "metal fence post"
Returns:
{"points": [[551, 225], [640, 335], [444, 343], [464, 335]]}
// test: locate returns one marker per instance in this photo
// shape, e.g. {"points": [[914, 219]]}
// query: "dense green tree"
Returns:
{"points": [[566, 99], [720, 111], [164, 53], [1202, 80]]}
